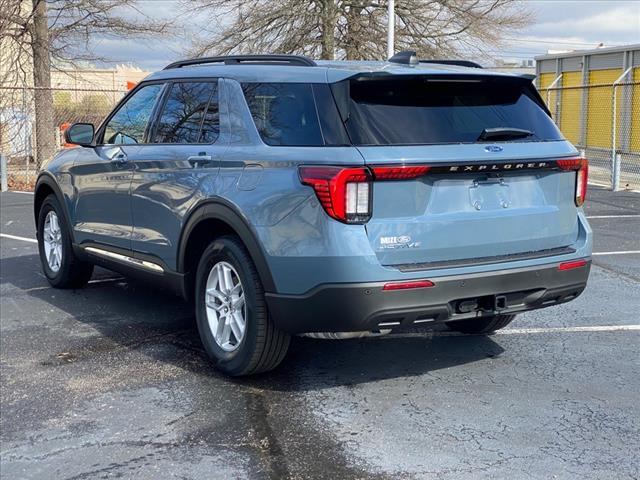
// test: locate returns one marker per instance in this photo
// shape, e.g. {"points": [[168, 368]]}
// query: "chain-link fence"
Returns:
{"points": [[33, 120], [603, 121]]}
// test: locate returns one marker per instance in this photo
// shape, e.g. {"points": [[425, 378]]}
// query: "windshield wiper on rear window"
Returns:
{"points": [[504, 133]]}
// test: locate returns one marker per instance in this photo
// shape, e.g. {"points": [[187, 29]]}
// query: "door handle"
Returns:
{"points": [[199, 160], [206, 158], [119, 159]]}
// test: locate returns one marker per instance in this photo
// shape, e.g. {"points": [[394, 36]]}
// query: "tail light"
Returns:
{"points": [[344, 193], [581, 166]]}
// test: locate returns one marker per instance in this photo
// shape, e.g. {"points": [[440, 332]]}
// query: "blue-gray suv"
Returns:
{"points": [[286, 196]]}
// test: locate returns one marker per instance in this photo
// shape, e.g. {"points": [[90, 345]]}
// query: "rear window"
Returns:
{"points": [[190, 114], [419, 110], [284, 113]]}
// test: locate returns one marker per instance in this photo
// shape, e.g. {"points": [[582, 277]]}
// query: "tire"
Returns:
{"points": [[68, 271], [483, 325], [261, 347]]}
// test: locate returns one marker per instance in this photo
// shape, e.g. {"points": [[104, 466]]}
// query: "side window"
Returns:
{"points": [[284, 113], [190, 114], [130, 121]]}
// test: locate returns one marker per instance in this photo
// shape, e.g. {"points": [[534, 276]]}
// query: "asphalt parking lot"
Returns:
{"points": [[111, 381]]}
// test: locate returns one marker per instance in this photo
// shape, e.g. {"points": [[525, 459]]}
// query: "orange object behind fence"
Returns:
{"points": [[63, 128]]}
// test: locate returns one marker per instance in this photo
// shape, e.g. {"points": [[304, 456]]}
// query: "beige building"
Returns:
{"points": [[119, 79]]}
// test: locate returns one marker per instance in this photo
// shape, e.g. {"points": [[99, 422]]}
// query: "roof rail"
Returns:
{"points": [[277, 59], [460, 63]]}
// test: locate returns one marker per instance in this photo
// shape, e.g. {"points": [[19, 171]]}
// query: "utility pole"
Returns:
{"points": [[391, 30]]}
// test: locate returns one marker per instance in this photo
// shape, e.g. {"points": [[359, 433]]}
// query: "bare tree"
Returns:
{"points": [[356, 29], [37, 35]]}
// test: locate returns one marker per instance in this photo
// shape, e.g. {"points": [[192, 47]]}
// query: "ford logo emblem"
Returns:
{"points": [[492, 149]]}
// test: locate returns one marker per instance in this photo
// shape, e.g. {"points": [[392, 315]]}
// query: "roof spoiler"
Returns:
{"points": [[459, 63], [409, 57]]}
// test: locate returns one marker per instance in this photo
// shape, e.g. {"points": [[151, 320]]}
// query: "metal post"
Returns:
{"points": [[614, 180], [391, 30], [28, 132], [626, 97], [3, 173], [616, 172], [584, 101], [616, 159], [552, 85]]}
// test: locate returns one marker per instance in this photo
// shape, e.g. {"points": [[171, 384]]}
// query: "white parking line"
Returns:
{"points": [[23, 239], [525, 331], [612, 216], [622, 252], [20, 191], [595, 328]]}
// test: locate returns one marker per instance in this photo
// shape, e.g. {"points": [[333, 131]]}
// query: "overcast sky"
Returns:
{"points": [[558, 24]]}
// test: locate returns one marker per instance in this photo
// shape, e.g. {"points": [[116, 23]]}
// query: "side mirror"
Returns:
{"points": [[80, 134]]}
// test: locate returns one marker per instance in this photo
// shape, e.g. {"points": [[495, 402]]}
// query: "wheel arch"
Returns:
{"points": [[45, 186], [209, 220]]}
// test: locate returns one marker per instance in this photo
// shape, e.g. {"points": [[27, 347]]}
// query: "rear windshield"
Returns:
{"points": [[419, 110]]}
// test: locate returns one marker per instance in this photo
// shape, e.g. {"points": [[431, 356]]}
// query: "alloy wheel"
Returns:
{"points": [[52, 237], [225, 306]]}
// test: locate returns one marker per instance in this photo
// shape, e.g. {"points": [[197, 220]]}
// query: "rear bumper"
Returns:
{"points": [[366, 306]]}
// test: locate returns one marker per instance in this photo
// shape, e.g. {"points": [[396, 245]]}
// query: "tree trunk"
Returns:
{"points": [[328, 36], [43, 99], [353, 33]]}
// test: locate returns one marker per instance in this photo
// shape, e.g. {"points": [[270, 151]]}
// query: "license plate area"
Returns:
{"points": [[490, 193]]}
